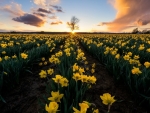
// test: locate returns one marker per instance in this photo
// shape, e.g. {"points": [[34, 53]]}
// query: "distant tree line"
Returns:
{"points": [[137, 31]]}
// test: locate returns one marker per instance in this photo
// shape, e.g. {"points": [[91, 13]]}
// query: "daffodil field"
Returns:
{"points": [[67, 74], [19, 54], [127, 57]]}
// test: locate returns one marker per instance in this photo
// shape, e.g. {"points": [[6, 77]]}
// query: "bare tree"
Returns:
{"points": [[73, 23], [135, 31]]}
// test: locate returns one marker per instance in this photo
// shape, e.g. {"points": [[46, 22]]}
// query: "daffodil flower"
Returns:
{"points": [[64, 82], [57, 79], [55, 96], [107, 99], [52, 107], [24, 56], [83, 108], [43, 74], [136, 71]]}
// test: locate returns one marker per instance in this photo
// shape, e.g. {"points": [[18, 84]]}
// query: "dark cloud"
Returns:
{"points": [[56, 22], [44, 10], [57, 8], [144, 20], [30, 19], [40, 14]]}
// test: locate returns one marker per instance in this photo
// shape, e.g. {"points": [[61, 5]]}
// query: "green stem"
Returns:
{"points": [[109, 108]]}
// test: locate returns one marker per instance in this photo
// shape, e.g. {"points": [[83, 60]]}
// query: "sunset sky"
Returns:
{"points": [[94, 15]]}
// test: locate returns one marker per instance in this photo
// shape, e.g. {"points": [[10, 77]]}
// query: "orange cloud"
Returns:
{"points": [[56, 22], [135, 12]]}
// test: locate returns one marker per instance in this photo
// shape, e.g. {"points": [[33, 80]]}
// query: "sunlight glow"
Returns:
{"points": [[72, 32]]}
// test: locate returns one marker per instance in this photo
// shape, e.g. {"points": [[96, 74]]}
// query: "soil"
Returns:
{"points": [[24, 97]]}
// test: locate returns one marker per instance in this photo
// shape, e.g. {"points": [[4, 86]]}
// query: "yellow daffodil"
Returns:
{"points": [[83, 108], [75, 67], [43, 74], [87, 68], [45, 63], [106, 52], [91, 79], [92, 70], [56, 61], [64, 82], [58, 54], [68, 53], [50, 71], [6, 57], [38, 44], [81, 70], [76, 76], [96, 111], [52, 107], [93, 65], [55, 96], [117, 56], [1, 59], [147, 64], [107, 99], [130, 53], [113, 52], [86, 62], [84, 78], [3, 45], [3, 52], [148, 50], [40, 64], [24, 56], [126, 57], [83, 58], [136, 71], [14, 56], [43, 59], [136, 57], [57, 79], [141, 48]]}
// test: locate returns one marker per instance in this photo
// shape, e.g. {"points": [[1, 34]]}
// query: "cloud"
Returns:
{"points": [[57, 8], [40, 14], [56, 22], [30, 19], [45, 2], [40, 2], [129, 12], [13, 8], [144, 20], [53, 17], [44, 10], [1, 24], [4, 30]]}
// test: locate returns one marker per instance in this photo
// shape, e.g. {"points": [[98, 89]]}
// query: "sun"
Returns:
{"points": [[72, 32]]}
